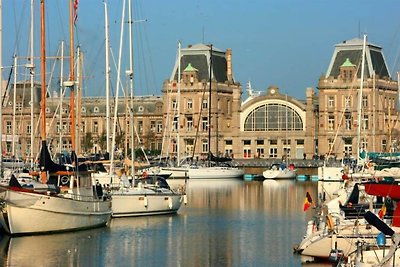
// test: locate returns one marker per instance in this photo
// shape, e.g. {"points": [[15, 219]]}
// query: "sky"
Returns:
{"points": [[284, 43]]}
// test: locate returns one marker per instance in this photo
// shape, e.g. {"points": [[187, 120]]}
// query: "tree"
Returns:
{"points": [[102, 141], [87, 143]]}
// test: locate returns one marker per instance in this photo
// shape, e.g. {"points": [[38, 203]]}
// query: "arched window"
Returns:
{"points": [[273, 117]]}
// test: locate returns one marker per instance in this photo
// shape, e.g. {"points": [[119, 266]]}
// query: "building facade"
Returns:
{"points": [[344, 107], [201, 111]]}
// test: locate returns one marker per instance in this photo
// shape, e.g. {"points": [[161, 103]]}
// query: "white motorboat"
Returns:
{"points": [[280, 171], [215, 172]]}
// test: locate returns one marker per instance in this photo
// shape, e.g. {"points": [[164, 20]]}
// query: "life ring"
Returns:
{"points": [[64, 180], [144, 174]]}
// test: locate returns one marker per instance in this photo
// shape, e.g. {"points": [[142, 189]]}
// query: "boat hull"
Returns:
{"points": [[31, 213], [279, 174], [215, 173], [320, 243], [134, 202]]}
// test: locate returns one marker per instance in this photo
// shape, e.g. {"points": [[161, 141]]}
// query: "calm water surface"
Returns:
{"points": [[225, 223]]}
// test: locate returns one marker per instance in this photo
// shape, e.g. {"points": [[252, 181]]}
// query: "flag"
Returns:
{"points": [[307, 201], [76, 10], [382, 211]]}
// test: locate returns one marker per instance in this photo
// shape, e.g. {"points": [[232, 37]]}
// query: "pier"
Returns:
{"points": [[304, 166]]}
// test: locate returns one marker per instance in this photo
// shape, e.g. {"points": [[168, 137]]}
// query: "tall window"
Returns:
{"points": [[330, 144], [95, 127], [174, 104], [246, 152], [365, 122], [365, 101], [347, 121], [29, 128], [204, 146], [204, 123], [159, 127], [140, 126], [364, 143], [273, 152], [204, 105], [347, 101], [9, 127], [331, 122], [189, 123], [189, 104], [153, 126], [331, 101]]}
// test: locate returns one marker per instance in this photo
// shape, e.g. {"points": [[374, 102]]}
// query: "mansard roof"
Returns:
{"points": [[352, 49], [199, 57]]}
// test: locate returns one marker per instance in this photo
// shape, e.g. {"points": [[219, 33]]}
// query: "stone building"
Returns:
{"points": [[341, 102], [201, 110]]}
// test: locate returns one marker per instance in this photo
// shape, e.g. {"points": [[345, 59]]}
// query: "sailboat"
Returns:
{"points": [[215, 169], [148, 196], [70, 202]]}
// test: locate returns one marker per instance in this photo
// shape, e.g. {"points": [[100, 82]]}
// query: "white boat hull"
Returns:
{"points": [[176, 172], [279, 174], [32, 213], [215, 173], [320, 243], [140, 202]]}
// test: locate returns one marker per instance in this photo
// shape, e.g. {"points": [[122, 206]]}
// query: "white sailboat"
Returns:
{"points": [[147, 196], [70, 202]]}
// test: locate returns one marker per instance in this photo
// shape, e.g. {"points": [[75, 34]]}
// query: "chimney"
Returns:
{"points": [[228, 56]]}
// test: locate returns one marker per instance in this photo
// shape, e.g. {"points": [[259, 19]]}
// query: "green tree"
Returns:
{"points": [[87, 143]]}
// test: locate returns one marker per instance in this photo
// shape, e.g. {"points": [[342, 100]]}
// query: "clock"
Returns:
{"points": [[272, 91]]}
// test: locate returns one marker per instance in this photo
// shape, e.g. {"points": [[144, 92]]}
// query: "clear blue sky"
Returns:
{"points": [[284, 43]]}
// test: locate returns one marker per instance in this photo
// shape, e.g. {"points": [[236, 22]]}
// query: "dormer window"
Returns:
{"points": [[83, 109], [140, 109], [96, 110], [347, 70], [47, 110]]}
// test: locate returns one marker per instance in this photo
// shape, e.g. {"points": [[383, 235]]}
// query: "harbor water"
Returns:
{"points": [[225, 223]]}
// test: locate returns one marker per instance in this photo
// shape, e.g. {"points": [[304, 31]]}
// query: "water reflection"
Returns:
{"points": [[226, 223], [69, 249]]}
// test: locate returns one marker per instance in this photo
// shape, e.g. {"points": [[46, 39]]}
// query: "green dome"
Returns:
{"points": [[189, 68], [348, 63]]}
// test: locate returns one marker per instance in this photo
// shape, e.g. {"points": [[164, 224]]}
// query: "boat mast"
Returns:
{"points": [[360, 98], [32, 66], [178, 105], [130, 74], [61, 96], [117, 90], [43, 80], [72, 79], [107, 47], [14, 107], [209, 109], [1, 89]]}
